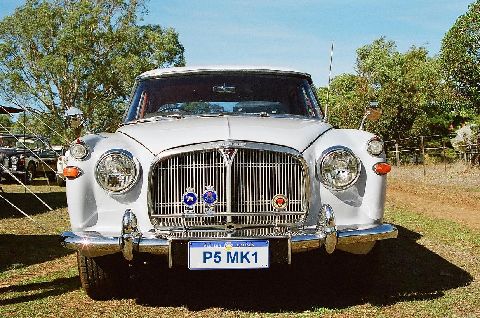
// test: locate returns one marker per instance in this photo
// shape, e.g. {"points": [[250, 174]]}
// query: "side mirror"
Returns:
{"points": [[74, 117], [372, 113]]}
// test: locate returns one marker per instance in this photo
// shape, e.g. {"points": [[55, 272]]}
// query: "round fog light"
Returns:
{"points": [[79, 150], [375, 146]]}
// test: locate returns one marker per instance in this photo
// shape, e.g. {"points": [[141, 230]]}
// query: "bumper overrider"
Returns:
{"points": [[131, 241]]}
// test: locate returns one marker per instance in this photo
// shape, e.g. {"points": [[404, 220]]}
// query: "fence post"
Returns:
{"points": [[422, 147], [397, 154], [444, 155]]}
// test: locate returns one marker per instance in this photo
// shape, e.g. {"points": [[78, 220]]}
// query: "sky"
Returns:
{"points": [[296, 34]]}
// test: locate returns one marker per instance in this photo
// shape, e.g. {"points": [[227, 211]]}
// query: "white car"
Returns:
{"points": [[221, 168]]}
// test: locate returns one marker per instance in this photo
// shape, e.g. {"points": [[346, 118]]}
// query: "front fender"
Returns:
{"points": [[363, 202], [91, 208]]}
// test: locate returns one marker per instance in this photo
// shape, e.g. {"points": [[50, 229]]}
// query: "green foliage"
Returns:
{"points": [[346, 103], [41, 124], [460, 56], [80, 53], [5, 123], [409, 87]]}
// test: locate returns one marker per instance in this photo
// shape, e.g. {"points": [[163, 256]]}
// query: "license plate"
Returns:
{"points": [[237, 254]]}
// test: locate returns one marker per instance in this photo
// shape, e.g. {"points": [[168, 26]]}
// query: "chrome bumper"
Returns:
{"points": [[93, 244]]}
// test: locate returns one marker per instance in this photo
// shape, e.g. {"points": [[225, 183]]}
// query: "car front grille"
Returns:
{"points": [[245, 184]]}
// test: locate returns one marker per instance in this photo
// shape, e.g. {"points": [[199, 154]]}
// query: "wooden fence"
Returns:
{"points": [[430, 149]]}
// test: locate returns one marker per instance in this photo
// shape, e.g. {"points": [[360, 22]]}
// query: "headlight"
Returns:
{"points": [[375, 146], [117, 171], [338, 168]]}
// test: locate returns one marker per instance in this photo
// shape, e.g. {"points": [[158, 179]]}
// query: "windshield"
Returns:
{"points": [[214, 95]]}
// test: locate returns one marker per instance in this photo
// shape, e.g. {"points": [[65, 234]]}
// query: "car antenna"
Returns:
{"points": [[328, 86]]}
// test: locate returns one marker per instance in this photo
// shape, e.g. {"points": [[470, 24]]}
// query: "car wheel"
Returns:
{"points": [[52, 177], [60, 181], [103, 277], [30, 173]]}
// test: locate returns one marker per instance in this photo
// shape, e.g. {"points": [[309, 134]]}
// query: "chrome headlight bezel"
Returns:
{"points": [[79, 150], [375, 146], [126, 155], [322, 172]]}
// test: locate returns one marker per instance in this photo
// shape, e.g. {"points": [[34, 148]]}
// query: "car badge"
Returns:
{"points": [[190, 198], [228, 154], [209, 198], [280, 202]]}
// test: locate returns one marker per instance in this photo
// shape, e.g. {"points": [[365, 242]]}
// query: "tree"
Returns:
{"points": [[460, 56], [80, 53], [409, 87], [346, 103], [5, 123]]}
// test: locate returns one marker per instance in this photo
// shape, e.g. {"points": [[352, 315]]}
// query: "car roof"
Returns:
{"points": [[175, 71]]}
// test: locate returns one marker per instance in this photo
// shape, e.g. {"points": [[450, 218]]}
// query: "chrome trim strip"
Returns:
{"points": [[93, 244], [177, 215], [379, 232]]}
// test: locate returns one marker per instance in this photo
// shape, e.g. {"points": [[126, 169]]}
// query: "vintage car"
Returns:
{"points": [[221, 168], [61, 164], [26, 157]]}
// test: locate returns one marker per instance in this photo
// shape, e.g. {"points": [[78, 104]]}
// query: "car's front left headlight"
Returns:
{"points": [[117, 171], [338, 168]]}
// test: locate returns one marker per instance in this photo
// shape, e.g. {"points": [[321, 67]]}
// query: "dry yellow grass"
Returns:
{"points": [[432, 269]]}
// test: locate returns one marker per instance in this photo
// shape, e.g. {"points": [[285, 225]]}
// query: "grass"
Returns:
{"points": [[432, 269]]}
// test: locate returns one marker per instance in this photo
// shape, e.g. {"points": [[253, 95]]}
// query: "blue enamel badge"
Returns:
{"points": [[190, 198], [209, 196]]}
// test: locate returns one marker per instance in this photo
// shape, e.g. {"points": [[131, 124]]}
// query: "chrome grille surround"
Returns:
{"points": [[244, 207]]}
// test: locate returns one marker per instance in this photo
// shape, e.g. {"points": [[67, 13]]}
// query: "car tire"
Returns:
{"points": [[103, 277], [52, 177], [60, 181], [30, 173]]}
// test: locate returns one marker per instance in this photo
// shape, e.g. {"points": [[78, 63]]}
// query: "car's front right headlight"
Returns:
{"points": [[338, 168], [117, 171]]}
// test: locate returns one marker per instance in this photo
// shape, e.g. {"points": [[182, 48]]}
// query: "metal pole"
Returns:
{"points": [[329, 80]]}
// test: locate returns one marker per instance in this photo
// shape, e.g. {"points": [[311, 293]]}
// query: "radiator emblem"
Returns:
{"points": [[280, 202], [228, 154]]}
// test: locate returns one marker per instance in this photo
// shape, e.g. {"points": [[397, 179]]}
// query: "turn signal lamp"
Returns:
{"points": [[71, 172], [382, 168]]}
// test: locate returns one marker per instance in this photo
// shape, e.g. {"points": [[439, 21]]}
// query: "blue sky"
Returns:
{"points": [[296, 34]]}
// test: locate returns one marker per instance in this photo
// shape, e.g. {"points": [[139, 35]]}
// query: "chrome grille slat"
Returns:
{"points": [[255, 177]]}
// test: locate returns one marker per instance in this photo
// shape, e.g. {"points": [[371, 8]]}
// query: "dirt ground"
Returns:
{"points": [[430, 270], [451, 193]]}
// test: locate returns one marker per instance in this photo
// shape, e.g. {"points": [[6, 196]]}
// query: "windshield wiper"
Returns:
{"points": [[259, 114], [212, 115]]}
